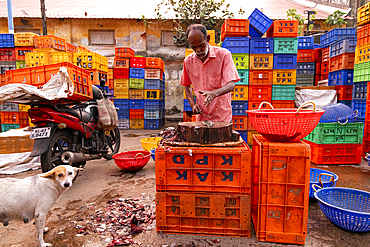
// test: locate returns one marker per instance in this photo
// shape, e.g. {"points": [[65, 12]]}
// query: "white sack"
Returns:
{"points": [[321, 98], [58, 87], [18, 162]]}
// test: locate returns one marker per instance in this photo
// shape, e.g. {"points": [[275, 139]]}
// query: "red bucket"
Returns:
{"points": [[132, 161]]}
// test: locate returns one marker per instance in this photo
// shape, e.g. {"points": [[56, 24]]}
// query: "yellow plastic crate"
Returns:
{"points": [[110, 74], [191, 90], [24, 107], [60, 57], [363, 14], [211, 33], [90, 60], [34, 59], [240, 93], [362, 53], [121, 84], [153, 94], [284, 77], [45, 50], [250, 134], [136, 123], [136, 94], [121, 93], [261, 61], [188, 52], [24, 39]]}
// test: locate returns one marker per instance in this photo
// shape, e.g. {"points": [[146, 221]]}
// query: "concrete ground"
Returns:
{"points": [[102, 180]]}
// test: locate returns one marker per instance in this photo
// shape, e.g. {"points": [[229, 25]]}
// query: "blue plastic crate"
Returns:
{"points": [[123, 114], [359, 91], [359, 105], [243, 135], [259, 21], [261, 46], [346, 45], [346, 102], [153, 124], [187, 106], [336, 34], [305, 42], [340, 77], [164, 77], [285, 61], [153, 114], [254, 33], [137, 73], [136, 104], [239, 107], [244, 77], [316, 46], [236, 44], [154, 84], [153, 104], [106, 88], [6, 40], [306, 68], [122, 104], [283, 92]]}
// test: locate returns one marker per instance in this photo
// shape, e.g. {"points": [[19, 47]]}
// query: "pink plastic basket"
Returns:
{"points": [[284, 125], [132, 161]]}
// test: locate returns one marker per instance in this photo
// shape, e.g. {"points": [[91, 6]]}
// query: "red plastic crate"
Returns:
{"points": [[124, 52], [317, 79], [344, 92], [2, 80], [260, 93], [136, 113], [306, 56], [260, 77], [363, 35], [203, 214], [239, 122], [278, 104], [365, 147], [318, 67], [283, 29], [235, 28], [280, 190], [212, 170], [138, 62], [335, 154], [120, 73], [153, 74], [325, 54], [7, 54], [23, 118], [111, 83], [122, 63], [20, 52], [9, 117], [318, 54], [254, 105], [343, 61], [325, 68], [70, 47], [155, 63], [49, 41], [324, 76]]}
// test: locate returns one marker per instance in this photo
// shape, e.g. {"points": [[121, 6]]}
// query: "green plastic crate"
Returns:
{"points": [[283, 92], [334, 133], [135, 83], [20, 64], [241, 60], [305, 80], [361, 72], [285, 45], [6, 127], [244, 77]]}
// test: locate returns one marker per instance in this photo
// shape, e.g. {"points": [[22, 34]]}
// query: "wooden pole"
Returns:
{"points": [[43, 17]]}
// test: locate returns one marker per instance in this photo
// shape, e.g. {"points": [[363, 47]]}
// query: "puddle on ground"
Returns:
{"points": [[146, 135], [131, 135]]}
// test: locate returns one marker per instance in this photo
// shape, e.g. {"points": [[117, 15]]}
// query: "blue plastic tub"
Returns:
{"points": [[346, 102], [261, 46], [236, 44], [322, 178], [305, 42], [341, 77], [152, 153], [239, 107], [338, 113], [346, 45], [285, 61], [306, 68], [259, 21], [346, 208], [359, 91]]}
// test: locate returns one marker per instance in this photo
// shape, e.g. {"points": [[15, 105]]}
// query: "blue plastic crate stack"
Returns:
{"points": [[306, 61]]}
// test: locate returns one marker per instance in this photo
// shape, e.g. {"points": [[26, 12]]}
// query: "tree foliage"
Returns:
{"points": [[293, 15], [336, 19], [210, 13]]}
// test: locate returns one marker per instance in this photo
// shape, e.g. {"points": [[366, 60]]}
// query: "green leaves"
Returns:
{"points": [[336, 19]]}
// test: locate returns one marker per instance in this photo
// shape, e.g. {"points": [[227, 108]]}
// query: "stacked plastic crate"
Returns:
{"points": [[306, 61], [7, 54], [23, 43], [93, 62]]}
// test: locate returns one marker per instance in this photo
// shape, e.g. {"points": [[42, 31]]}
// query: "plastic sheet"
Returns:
{"points": [[321, 98], [18, 162]]}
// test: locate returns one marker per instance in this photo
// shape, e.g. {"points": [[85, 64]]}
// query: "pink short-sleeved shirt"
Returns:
{"points": [[216, 71]]}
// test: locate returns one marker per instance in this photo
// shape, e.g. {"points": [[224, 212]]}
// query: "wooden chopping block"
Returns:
{"points": [[197, 132]]}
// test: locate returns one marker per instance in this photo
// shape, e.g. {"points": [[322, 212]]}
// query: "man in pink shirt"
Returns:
{"points": [[212, 73]]}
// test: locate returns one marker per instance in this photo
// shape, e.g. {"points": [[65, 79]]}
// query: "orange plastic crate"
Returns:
{"points": [[49, 41], [70, 47], [278, 104], [239, 122], [324, 76], [24, 39], [111, 83], [325, 68], [335, 154], [344, 92], [283, 29], [280, 190], [155, 63], [363, 35], [2, 80], [153, 74], [23, 118], [212, 170], [38, 76], [260, 93], [136, 94], [96, 75], [21, 51], [235, 28], [254, 105], [325, 54], [9, 117], [249, 126], [124, 52], [306, 56], [18, 76], [15, 144], [136, 113], [122, 63], [343, 61], [138, 62], [203, 214], [260, 77]]}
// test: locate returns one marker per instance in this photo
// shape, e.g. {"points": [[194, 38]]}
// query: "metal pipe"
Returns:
{"points": [[10, 17], [69, 157]]}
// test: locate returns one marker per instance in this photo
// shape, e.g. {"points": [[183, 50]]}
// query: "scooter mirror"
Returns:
{"points": [[102, 83]]}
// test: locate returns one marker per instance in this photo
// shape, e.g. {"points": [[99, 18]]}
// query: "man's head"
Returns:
{"points": [[198, 39]]}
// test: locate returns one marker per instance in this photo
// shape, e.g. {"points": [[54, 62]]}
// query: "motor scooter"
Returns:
{"points": [[67, 133]]}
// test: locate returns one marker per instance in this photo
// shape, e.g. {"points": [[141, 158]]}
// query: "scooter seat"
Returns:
{"points": [[85, 117]]}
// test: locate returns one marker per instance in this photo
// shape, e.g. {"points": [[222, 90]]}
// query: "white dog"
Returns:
{"points": [[32, 197]]}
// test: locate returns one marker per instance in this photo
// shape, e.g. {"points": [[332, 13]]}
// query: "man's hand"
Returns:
{"points": [[196, 109], [209, 97]]}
